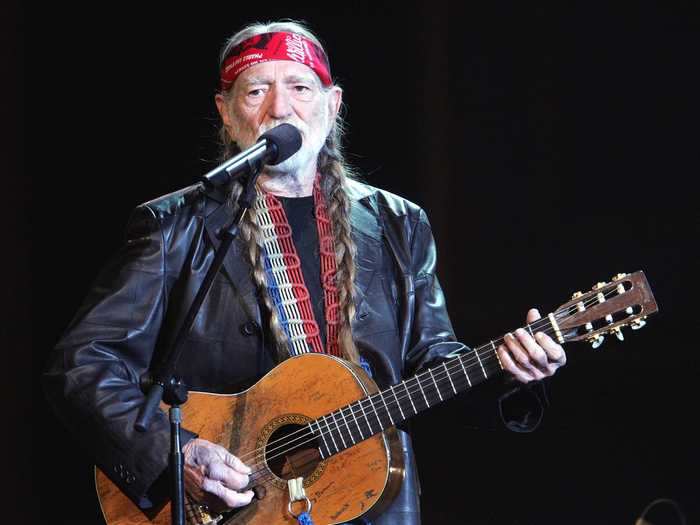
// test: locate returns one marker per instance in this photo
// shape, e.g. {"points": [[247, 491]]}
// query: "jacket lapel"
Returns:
{"points": [[367, 234], [235, 266]]}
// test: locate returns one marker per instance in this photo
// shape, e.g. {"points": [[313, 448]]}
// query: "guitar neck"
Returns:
{"points": [[366, 417]]}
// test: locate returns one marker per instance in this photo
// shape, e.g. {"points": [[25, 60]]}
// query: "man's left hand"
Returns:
{"points": [[531, 358]]}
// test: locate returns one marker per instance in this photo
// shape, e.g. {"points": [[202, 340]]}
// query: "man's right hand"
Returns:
{"points": [[214, 476]]}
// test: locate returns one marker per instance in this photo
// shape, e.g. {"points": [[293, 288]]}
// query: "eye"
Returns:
{"points": [[302, 92], [256, 92]]}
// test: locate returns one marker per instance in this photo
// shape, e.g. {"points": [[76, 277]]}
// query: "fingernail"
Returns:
{"points": [[537, 312], [520, 331]]}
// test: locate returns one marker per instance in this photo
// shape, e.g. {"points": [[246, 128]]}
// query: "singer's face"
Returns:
{"points": [[272, 93]]}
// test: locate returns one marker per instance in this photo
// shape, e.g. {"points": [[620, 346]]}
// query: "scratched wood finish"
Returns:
{"points": [[361, 480]]}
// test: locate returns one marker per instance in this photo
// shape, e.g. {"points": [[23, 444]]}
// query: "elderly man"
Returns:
{"points": [[360, 261]]}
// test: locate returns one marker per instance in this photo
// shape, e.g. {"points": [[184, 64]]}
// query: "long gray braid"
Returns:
{"points": [[334, 172]]}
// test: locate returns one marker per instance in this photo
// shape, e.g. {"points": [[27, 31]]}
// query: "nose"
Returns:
{"points": [[280, 106]]}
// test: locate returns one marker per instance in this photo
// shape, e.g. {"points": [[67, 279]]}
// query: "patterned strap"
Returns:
{"points": [[285, 279]]}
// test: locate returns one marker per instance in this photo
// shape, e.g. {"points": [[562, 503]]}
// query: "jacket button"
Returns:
{"points": [[249, 328]]}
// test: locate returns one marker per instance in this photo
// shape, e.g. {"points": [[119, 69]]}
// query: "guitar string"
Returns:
{"points": [[264, 476], [284, 441], [561, 313], [417, 379], [362, 409]]}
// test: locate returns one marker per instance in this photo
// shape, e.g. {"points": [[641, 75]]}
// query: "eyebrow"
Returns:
{"points": [[291, 79]]}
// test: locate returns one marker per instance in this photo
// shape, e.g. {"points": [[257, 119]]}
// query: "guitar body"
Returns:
{"points": [[362, 479]]}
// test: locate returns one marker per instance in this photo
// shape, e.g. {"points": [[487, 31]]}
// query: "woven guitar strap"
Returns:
{"points": [[285, 280]]}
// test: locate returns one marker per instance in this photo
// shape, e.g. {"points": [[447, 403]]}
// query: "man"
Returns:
{"points": [[323, 263]]}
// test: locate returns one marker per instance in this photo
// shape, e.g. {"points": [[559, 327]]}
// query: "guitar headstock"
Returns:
{"points": [[625, 301]]}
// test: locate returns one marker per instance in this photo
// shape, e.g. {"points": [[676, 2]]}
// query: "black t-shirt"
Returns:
{"points": [[302, 220]]}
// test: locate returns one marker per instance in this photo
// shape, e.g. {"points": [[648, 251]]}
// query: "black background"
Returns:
{"points": [[551, 146]]}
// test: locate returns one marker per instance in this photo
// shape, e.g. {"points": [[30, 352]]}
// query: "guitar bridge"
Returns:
{"points": [[196, 514]]}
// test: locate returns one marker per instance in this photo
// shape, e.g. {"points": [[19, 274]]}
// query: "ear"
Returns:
{"points": [[223, 110], [335, 100]]}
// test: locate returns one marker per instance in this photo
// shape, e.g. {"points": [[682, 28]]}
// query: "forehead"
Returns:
{"points": [[277, 71]]}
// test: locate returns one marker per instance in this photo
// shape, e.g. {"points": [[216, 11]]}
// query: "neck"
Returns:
{"points": [[366, 417], [298, 183]]}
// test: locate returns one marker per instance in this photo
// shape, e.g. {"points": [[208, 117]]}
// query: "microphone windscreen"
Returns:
{"points": [[287, 139]]}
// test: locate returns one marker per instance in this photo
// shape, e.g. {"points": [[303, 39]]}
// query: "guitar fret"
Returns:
{"points": [[555, 326], [530, 330], [409, 397], [493, 345], [366, 418], [331, 433], [376, 414], [465, 371], [436, 385], [476, 352], [449, 377], [398, 402], [347, 426], [496, 353], [359, 428], [320, 450], [339, 431], [328, 450], [417, 378], [387, 408]]}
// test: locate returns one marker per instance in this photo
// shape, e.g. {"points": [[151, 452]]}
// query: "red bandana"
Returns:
{"points": [[274, 46]]}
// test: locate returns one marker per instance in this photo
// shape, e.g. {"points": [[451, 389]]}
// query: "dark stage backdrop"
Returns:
{"points": [[552, 148]]}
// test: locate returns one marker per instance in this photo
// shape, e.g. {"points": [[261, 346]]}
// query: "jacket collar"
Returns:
{"points": [[366, 232]]}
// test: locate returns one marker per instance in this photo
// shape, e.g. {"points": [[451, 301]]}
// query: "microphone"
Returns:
{"points": [[274, 146]]}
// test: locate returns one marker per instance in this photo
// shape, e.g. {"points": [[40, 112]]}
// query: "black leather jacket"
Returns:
{"points": [[130, 316]]}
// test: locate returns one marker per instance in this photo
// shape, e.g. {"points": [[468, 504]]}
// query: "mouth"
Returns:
{"points": [[265, 129]]}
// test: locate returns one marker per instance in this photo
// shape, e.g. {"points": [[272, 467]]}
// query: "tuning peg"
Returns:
{"points": [[600, 285], [618, 333], [596, 341], [621, 289], [576, 295], [638, 323]]}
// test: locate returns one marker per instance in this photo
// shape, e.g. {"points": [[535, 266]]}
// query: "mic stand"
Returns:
{"points": [[168, 388]]}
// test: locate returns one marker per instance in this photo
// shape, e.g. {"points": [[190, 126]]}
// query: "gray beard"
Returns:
{"points": [[295, 165]]}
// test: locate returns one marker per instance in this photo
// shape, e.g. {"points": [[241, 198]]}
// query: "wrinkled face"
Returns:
{"points": [[275, 92]]}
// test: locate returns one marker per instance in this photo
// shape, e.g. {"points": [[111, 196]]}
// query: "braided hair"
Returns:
{"points": [[334, 173]]}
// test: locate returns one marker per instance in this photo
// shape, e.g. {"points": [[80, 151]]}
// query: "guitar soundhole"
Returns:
{"points": [[291, 452]]}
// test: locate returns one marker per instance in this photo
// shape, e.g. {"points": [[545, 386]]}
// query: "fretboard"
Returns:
{"points": [[366, 417]]}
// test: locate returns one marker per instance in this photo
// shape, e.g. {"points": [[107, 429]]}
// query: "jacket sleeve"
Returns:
{"points": [[92, 378], [520, 407]]}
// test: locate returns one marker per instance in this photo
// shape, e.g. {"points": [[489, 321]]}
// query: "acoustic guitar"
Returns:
{"points": [[323, 423]]}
